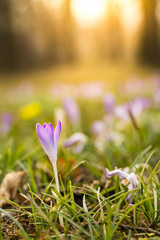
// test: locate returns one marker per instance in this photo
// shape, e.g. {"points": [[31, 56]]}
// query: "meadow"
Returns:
{"points": [[107, 154]]}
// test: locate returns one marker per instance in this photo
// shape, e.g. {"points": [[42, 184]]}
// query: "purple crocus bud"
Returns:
{"points": [[131, 180], [109, 103], [77, 140], [72, 110], [6, 122], [49, 141]]}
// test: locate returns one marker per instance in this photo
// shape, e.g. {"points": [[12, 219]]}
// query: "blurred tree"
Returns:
{"points": [[6, 34], [34, 34], [17, 43], [67, 33], [149, 49], [112, 39]]}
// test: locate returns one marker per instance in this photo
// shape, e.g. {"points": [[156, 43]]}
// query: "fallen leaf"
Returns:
{"points": [[9, 186]]}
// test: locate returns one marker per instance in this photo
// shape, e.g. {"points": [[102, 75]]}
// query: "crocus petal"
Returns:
{"points": [[44, 125], [41, 133], [46, 142], [98, 127], [6, 122], [77, 140], [121, 112], [117, 172], [57, 132], [129, 197], [72, 110], [78, 148], [109, 102], [133, 179], [74, 139], [157, 96], [50, 132]]}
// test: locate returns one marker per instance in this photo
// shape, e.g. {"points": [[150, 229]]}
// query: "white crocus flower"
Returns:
{"points": [[131, 180]]}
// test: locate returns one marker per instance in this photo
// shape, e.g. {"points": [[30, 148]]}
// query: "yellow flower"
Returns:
{"points": [[30, 111]]}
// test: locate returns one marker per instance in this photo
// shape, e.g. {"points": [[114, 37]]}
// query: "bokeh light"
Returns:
{"points": [[88, 12]]}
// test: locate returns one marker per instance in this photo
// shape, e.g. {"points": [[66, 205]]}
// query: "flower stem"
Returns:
{"points": [[54, 164]]}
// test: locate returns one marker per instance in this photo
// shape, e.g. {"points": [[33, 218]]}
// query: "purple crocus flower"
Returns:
{"points": [[72, 110], [6, 122], [49, 141], [109, 103], [131, 180], [77, 140]]}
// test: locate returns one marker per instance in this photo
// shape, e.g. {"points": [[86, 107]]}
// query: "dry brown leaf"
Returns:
{"points": [[9, 186]]}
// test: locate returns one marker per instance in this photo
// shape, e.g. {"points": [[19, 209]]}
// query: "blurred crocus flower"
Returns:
{"points": [[49, 141], [139, 104], [72, 110], [96, 89], [77, 141], [23, 90], [60, 90], [115, 137], [121, 112], [98, 127], [136, 106], [107, 137], [157, 96], [131, 180], [109, 103], [6, 122]]}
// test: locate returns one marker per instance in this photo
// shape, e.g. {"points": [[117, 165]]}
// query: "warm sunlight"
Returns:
{"points": [[56, 4], [130, 9], [87, 12]]}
